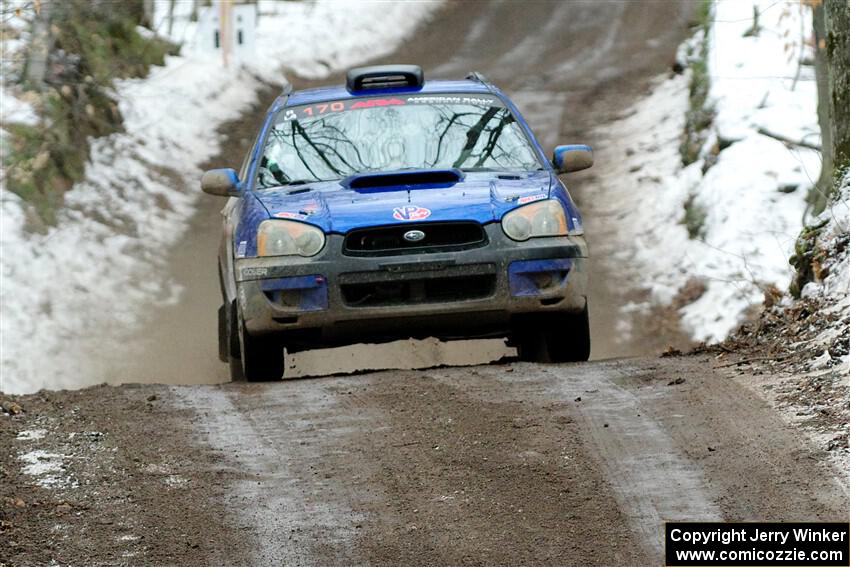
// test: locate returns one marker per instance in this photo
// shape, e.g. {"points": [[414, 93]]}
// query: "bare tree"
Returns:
{"points": [[147, 13], [837, 14], [822, 74], [831, 19], [40, 45], [170, 17]]}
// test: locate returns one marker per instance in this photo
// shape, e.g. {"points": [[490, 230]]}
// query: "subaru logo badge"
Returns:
{"points": [[414, 235]]}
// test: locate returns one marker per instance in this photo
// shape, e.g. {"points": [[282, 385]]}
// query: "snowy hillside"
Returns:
{"points": [[724, 225]]}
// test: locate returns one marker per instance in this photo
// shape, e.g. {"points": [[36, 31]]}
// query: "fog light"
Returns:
{"points": [[542, 280]]}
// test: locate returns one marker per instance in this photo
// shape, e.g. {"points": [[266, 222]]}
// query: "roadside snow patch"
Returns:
{"points": [[834, 289], [804, 344]]}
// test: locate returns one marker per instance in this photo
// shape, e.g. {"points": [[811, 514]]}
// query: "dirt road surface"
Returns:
{"points": [[515, 464], [500, 464]]}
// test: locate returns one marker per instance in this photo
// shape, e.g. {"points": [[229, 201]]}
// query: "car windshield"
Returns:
{"points": [[335, 139]]}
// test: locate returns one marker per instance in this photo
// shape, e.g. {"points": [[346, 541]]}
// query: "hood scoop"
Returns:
{"points": [[409, 179]]}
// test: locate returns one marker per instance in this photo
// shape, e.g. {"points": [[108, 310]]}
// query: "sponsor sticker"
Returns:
{"points": [[289, 215], [309, 209], [411, 213], [372, 103], [302, 112], [455, 99], [530, 198], [254, 272]]}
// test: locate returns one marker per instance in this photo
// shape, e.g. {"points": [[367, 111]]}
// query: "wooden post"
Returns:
{"points": [[225, 35]]}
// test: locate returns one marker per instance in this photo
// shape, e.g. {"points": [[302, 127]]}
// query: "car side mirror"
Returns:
{"points": [[571, 158], [221, 182]]}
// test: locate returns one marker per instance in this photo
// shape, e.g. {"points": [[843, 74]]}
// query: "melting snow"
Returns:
{"points": [[835, 287], [31, 435], [47, 467]]}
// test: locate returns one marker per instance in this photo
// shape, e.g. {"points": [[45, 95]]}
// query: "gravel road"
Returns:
{"points": [[482, 464], [515, 464]]}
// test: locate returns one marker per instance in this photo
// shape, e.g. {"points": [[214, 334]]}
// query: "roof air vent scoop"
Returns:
{"points": [[378, 77]]}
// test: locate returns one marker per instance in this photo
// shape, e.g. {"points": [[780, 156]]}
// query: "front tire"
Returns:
{"points": [[260, 358], [556, 337], [223, 351], [569, 339]]}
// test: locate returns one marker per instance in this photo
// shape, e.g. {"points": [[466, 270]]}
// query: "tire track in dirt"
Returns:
{"points": [[680, 441], [648, 476], [514, 464], [402, 468], [282, 499]]}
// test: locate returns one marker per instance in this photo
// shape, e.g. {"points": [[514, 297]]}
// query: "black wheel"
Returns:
{"points": [[232, 325], [530, 343], [260, 358], [236, 374], [568, 338], [556, 337], [228, 333], [223, 350]]}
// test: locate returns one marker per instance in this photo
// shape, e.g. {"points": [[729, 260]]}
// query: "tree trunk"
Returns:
{"points": [[170, 17], [40, 45], [831, 19], [819, 196], [837, 14], [147, 14]]}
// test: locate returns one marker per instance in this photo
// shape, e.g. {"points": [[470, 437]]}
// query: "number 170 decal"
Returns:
{"points": [[338, 106]]}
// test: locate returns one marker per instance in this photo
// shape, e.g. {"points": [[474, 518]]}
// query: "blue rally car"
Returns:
{"points": [[395, 208]]}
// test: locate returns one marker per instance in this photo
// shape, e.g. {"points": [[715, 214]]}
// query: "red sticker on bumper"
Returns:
{"points": [[411, 213]]}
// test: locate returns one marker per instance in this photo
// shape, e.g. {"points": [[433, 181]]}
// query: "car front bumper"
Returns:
{"points": [[333, 298]]}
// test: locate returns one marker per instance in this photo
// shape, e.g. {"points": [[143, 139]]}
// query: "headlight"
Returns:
{"points": [[544, 218], [288, 238]]}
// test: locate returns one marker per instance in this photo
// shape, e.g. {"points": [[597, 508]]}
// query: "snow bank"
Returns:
{"points": [[15, 37], [833, 241], [745, 195], [83, 286]]}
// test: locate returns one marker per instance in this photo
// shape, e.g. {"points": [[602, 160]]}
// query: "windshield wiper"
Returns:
{"points": [[296, 182], [472, 136], [499, 170]]}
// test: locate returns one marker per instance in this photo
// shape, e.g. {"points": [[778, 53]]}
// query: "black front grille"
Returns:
{"points": [[430, 290], [438, 237]]}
